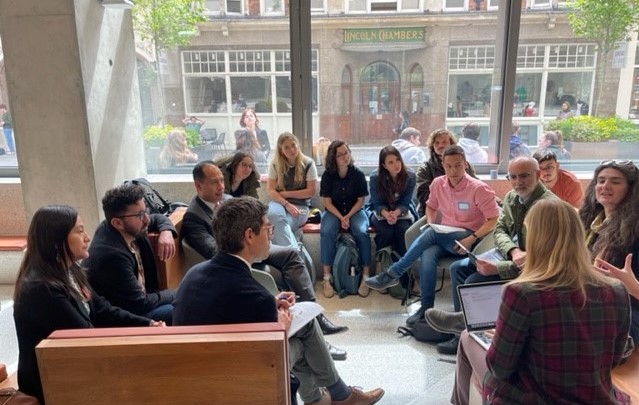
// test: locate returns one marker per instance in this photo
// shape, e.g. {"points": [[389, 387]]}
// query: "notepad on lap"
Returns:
{"points": [[480, 304]]}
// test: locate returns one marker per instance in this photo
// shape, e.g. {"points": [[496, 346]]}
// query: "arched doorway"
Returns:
{"points": [[380, 101]]}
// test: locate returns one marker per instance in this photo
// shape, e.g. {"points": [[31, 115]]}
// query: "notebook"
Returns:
{"points": [[480, 304]]}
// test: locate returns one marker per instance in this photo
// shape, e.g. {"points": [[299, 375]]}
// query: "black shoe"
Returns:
{"points": [[449, 346], [419, 314], [336, 354], [328, 327]]}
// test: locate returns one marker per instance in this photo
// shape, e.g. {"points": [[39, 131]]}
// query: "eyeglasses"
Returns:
{"points": [[341, 155], [270, 229], [141, 215], [548, 168], [514, 177], [618, 163]]}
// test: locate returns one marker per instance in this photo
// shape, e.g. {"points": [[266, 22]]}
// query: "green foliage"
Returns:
{"points": [[192, 137], [168, 23], [587, 128], [605, 22], [155, 135]]}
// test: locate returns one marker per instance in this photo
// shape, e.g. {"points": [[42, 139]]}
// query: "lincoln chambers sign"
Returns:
{"points": [[381, 35]]}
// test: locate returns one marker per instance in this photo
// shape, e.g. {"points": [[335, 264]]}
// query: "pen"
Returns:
{"points": [[297, 297]]}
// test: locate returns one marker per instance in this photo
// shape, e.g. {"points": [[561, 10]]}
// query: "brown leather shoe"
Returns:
{"points": [[359, 397], [325, 400]]}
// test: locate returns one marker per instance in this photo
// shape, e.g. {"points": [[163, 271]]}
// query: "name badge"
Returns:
{"points": [[463, 206]]}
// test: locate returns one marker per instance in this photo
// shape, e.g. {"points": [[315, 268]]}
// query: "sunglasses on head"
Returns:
{"points": [[618, 163]]}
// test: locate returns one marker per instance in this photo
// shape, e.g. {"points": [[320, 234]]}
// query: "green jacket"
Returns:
{"points": [[509, 232], [251, 183]]}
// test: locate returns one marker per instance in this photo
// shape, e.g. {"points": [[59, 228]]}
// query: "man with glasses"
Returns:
{"points": [[121, 263], [510, 241], [562, 183], [197, 231], [222, 291]]}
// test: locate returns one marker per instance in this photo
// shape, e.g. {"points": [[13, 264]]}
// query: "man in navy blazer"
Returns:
{"points": [[222, 291], [121, 263]]}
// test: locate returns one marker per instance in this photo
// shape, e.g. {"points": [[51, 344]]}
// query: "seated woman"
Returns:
{"points": [[251, 138], [52, 291], [392, 186], [562, 325], [343, 189], [611, 217], [292, 178], [554, 141], [240, 175], [175, 151]]}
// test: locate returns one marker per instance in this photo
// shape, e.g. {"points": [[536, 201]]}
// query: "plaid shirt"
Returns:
{"points": [[547, 349]]}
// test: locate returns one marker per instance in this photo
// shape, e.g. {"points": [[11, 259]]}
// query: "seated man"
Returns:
{"points": [[562, 183], [222, 291], [408, 146], [510, 241], [198, 232], [121, 265], [465, 203]]}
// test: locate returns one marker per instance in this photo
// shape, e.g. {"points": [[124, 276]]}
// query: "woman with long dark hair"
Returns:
{"points": [[52, 291], [251, 138], [610, 215], [391, 202], [240, 175], [343, 189]]}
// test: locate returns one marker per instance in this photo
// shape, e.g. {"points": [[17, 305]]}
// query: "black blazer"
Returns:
{"points": [[197, 227], [41, 309]]}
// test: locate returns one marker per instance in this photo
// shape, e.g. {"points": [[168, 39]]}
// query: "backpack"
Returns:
{"points": [[346, 271], [423, 332], [153, 200]]}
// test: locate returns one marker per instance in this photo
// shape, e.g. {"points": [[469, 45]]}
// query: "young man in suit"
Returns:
{"points": [[222, 291]]}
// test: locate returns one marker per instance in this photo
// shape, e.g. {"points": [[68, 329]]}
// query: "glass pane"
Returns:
{"points": [[527, 95], [564, 91], [283, 89], [454, 3], [273, 6], [469, 95], [253, 92], [410, 4], [205, 95], [234, 6], [356, 5], [212, 6]]}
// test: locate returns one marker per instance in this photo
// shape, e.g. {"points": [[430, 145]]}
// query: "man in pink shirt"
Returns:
{"points": [[464, 203], [562, 183]]}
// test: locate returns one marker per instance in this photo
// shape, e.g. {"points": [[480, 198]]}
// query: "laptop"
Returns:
{"points": [[480, 304]]}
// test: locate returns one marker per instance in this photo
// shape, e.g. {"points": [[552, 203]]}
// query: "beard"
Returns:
{"points": [[137, 232]]}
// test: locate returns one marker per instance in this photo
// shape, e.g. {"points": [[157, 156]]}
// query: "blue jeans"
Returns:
{"points": [[285, 224], [162, 313], [430, 246], [8, 137], [329, 228], [465, 272]]}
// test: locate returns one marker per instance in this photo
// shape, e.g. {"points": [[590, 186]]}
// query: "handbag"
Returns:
{"points": [[11, 396]]}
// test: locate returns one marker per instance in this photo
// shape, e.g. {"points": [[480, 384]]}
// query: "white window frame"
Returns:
{"points": [[446, 8], [226, 4], [347, 10], [322, 10], [420, 6], [282, 10], [541, 4], [493, 5]]}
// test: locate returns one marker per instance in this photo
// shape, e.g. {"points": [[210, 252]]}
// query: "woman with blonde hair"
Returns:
{"points": [[562, 326], [292, 178], [175, 151]]}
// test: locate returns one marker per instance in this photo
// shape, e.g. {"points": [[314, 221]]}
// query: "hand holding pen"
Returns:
{"points": [[285, 299]]}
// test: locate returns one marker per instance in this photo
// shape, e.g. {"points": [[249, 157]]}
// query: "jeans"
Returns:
{"points": [[330, 227], [162, 313], [465, 272], [391, 235], [430, 246], [285, 224], [8, 137]]}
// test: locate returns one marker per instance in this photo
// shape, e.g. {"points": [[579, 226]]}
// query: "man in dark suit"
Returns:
{"points": [[121, 264], [198, 233], [222, 291]]}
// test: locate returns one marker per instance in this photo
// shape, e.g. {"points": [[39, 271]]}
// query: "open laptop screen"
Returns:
{"points": [[480, 304]]}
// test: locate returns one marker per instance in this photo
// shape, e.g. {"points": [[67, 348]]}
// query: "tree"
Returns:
{"points": [[606, 22], [167, 24]]}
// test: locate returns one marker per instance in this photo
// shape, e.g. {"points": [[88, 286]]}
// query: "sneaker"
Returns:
{"points": [[449, 346], [363, 290], [445, 322], [382, 281], [419, 314], [327, 289]]}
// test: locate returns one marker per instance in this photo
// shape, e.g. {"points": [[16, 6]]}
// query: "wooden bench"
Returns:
{"points": [[13, 243], [171, 272], [223, 364]]}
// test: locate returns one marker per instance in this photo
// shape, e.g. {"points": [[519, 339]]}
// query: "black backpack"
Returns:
{"points": [[155, 203]]}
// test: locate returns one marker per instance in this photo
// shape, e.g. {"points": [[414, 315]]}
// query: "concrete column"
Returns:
{"points": [[73, 95]]}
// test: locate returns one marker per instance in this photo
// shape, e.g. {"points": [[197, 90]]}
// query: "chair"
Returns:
{"points": [[208, 135], [219, 144], [191, 256]]}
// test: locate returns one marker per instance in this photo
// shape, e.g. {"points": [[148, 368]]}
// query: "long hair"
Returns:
{"points": [[430, 142], [235, 161], [281, 164], [175, 150], [386, 186], [246, 111], [48, 253], [556, 252], [620, 231], [331, 156]]}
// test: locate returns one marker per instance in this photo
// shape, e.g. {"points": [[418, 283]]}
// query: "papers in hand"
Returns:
{"points": [[301, 314], [443, 228], [491, 255]]}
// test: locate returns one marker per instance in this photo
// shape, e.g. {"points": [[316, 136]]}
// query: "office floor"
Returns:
{"points": [[411, 372]]}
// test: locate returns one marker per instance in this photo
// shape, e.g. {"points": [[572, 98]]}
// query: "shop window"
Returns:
{"points": [[273, 7], [455, 5], [347, 91], [417, 98], [380, 88]]}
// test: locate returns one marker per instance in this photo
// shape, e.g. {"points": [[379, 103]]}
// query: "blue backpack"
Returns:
{"points": [[346, 271]]}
